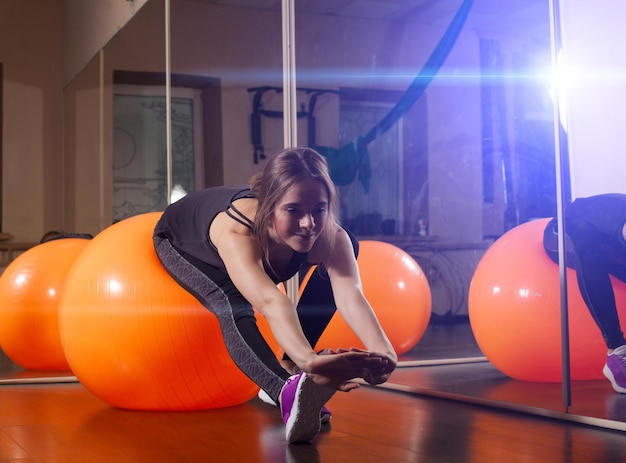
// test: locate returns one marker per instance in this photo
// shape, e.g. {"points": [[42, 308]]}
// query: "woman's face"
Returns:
{"points": [[301, 215]]}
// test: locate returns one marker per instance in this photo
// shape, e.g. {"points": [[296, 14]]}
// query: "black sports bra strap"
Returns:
{"points": [[238, 216]]}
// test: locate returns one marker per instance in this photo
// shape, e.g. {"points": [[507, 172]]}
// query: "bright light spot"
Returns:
{"points": [[52, 292], [563, 80], [177, 193], [21, 280], [401, 285], [524, 293], [496, 290], [115, 286]]}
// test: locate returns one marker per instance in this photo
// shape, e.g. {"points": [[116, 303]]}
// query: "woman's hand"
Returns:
{"points": [[381, 374], [337, 368]]}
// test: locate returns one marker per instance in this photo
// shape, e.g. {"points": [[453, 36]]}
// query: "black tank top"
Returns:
{"points": [[606, 213], [186, 224]]}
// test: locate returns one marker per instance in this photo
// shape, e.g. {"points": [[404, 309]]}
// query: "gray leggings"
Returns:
{"points": [[215, 300]]}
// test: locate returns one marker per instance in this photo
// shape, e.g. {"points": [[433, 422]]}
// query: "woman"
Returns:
{"points": [[595, 229], [230, 246]]}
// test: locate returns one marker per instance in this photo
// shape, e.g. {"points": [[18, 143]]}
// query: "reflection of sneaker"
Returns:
{"points": [[615, 407], [325, 413], [301, 402], [615, 369]]}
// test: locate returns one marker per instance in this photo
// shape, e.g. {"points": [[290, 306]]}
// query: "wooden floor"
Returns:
{"points": [[458, 413], [65, 423]]}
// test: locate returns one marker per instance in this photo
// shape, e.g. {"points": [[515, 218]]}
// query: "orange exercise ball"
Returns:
{"points": [[30, 291], [137, 339], [398, 291], [515, 314]]}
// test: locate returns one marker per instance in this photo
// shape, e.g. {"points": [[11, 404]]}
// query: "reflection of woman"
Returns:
{"points": [[596, 248], [230, 246]]}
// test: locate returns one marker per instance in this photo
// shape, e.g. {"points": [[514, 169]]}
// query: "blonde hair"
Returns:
{"points": [[282, 171]]}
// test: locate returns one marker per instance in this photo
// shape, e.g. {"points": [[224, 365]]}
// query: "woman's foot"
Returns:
{"points": [[615, 369], [301, 401], [325, 413]]}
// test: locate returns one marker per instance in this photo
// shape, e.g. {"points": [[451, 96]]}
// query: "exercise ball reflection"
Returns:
{"points": [[137, 339], [398, 291], [514, 311], [30, 292]]}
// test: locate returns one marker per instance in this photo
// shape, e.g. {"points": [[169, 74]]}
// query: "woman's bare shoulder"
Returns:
{"points": [[224, 225]]}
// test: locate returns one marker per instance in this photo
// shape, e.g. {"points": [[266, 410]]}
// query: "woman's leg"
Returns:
{"points": [[243, 340], [594, 263]]}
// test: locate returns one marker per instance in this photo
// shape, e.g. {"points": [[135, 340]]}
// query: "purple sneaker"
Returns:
{"points": [[325, 414], [615, 369], [301, 403]]}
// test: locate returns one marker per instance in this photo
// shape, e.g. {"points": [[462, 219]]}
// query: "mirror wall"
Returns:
{"points": [[352, 63], [444, 110], [212, 89], [471, 156], [91, 131]]}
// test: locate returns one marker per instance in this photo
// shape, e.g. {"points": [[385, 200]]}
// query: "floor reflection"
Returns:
{"points": [[593, 402], [10, 373], [445, 340]]}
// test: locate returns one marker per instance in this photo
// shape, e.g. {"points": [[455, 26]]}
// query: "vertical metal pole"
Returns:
{"points": [[555, 40], [1, 158], [101, 156], [168, 103], [290, 121], [289, 75]]}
